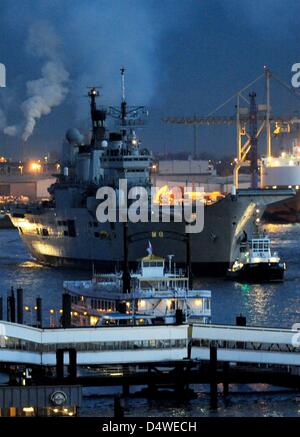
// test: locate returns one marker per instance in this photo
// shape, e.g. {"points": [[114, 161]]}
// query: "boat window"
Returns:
{"points": [[71, 228], [207, 304], [172, 305], [45, 232]]}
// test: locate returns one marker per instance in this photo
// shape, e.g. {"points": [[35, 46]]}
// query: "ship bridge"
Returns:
{"points": [[148, 344]]}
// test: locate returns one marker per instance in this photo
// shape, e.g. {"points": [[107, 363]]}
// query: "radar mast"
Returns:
{"points": [[98, 117], [128, 117]]}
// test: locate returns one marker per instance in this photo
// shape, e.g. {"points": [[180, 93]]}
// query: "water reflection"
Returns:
{"points": [[275, 305], [30, 265]]}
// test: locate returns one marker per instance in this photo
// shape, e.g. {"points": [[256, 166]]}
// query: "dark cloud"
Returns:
{"points": [[182, 57]]}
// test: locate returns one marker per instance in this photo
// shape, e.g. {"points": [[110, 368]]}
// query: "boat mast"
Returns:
{"points": [[253, 140], [123, 102], [127, 116], [98, 117], [93, 93]]}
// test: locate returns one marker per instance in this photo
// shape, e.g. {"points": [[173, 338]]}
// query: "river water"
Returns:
{"points": [[272, 305]]}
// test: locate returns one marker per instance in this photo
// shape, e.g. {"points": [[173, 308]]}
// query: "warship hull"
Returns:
{"points": [[72, 237]]}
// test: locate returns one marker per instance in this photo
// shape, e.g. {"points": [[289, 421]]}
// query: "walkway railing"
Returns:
{"points": [[105, 345]]}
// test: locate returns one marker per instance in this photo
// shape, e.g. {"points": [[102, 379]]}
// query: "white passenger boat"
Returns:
{"points": [[159, 294]]}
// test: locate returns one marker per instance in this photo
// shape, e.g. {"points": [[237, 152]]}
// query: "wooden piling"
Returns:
{"points": [[213, 360], [8, 308], [1, 308], [20, 306], [67, 308], [125, 389], [118, 407], [240, 320], [151, 384], [60, 364], [179, 379], [11, 307], [73, 364], [225, 379], [39, 317], [126, 273], [189, 260]]}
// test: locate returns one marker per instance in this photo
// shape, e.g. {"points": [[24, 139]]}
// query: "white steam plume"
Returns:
{"points": [[45, 93], [50, 90], [11, 131]]}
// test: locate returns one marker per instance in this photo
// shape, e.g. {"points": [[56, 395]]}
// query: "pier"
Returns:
{"points": [[22, 344], [153, 356]]}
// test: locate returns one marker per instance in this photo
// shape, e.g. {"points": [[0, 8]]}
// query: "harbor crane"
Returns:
{"points": [[248, 119]]}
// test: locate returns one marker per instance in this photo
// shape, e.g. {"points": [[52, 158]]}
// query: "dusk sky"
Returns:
{"points": [[182, 57]]}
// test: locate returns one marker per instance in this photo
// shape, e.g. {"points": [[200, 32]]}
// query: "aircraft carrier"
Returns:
{"points": [[64, 231]]}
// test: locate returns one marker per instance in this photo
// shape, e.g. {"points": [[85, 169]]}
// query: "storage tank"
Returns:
{"points": [[70, 146]]}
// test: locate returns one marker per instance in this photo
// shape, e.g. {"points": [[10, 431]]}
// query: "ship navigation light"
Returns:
{"points": [[93, 92]]}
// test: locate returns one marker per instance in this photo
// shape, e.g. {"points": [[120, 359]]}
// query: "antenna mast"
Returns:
{"points": [[268, 110], [127, 116], [123, 103]]}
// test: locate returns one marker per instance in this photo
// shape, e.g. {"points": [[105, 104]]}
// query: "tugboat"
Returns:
{"points": [[159, 294], [257, 263]]}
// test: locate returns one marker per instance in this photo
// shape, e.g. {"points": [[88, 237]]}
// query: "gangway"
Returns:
{"points": [[21, 344]]}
